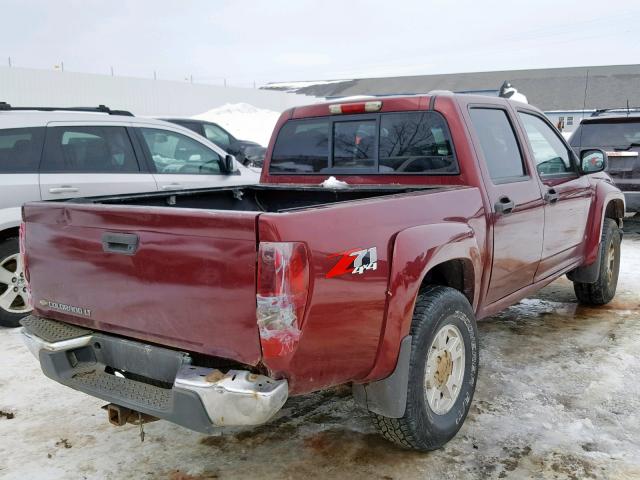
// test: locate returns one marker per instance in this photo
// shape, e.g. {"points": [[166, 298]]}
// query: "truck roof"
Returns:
{"points": [[417, 101]]}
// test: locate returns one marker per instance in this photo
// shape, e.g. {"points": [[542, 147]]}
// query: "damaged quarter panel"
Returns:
{"points": [[345, 314]]}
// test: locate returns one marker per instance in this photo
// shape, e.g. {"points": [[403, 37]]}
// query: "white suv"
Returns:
{"points": [[50, 154]]}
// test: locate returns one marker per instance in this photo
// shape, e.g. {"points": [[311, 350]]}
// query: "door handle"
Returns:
{"points": [[172, 186], [64, 189], [551, 196], [504, 206], [122, 243]]}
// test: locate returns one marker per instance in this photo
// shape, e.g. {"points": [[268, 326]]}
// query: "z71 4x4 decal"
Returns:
{"points": [[354, 261]]}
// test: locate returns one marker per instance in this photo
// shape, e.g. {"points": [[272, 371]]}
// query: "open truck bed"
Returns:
{"points": [[176, 269], [257, 198]]}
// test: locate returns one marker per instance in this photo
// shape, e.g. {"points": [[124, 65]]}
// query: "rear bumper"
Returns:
{"points": [[632, 201], [160, 382]]}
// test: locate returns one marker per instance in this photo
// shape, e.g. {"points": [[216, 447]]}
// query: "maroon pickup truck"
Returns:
{"points": [[209, 308]]}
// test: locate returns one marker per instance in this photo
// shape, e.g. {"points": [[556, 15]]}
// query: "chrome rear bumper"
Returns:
{"points": [[153, 380]]}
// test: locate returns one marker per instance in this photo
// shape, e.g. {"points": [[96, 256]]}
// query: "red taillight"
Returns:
{"points": [[360, 107], [283, 281]]}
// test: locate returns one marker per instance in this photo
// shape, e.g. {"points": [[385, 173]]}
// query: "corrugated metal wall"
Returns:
{"points": [[29, 87]]}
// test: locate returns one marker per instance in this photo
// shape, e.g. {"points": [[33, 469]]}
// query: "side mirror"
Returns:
{"points": [[592, 161], [230, 164]]}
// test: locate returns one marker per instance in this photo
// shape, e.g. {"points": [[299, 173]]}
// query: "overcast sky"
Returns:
{"points": [[281, 40]]}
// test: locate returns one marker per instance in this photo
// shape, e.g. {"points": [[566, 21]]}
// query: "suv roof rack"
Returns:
{"points": [[4, 106], [621, 110]]}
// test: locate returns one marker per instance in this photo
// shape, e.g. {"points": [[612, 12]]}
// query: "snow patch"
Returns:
{"points": [[333, 182], [244, 121]]}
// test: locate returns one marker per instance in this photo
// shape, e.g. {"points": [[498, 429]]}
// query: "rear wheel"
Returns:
{"points": [[604, 288], [442, 372], [14, 304]]}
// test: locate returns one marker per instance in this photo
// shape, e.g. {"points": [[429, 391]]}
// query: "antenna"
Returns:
{"points": [[584, 106]]}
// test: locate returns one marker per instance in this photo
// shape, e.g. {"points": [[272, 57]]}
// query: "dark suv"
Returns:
{"points": [[618, 132], [245, 151]]}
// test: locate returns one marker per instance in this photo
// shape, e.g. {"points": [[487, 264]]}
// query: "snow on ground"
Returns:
{"points": [[244, 121], [558, 397]]}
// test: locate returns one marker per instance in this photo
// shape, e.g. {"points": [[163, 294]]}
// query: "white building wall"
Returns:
{"points": [[143, 97], [569, 118]]}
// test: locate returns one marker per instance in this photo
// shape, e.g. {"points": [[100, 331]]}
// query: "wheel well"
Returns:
{"points": [[9, 232], [456, 273], [615, 210]]}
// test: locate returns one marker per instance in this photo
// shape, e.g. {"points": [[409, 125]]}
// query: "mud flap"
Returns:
{"points": [[586, 273], [388, 397]]}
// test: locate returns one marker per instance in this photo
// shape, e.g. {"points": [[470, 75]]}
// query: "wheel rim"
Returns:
{"points": [[612, 261], [444, 372], [14, 293]]}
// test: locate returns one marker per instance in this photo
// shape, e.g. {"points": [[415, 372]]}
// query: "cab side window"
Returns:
{"points": [[498, 143], [552, 157], [173, 152]]}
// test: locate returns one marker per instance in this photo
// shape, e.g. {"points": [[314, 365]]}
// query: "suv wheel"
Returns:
{"points": [[604, 288], [443, 370], [14, 304]]}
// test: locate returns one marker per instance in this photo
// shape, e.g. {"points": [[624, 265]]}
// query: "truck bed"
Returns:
{"points": [[257, 198], [175, 268]]}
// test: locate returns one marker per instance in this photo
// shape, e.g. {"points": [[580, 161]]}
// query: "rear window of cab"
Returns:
{"points": [[386, 143]]}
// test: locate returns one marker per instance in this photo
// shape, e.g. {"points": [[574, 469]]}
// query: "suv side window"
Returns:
{"points": [[20, 149], [498, 142], [176, 153], [217, 135], [99, 149], [552, 157]]}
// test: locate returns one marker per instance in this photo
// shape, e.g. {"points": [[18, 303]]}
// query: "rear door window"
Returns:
{"points": [[95, 149], [613, 134], [388, 143], [20, 149], [498, 143]]}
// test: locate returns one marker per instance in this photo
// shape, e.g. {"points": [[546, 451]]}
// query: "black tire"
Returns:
{"points": [[420, 428], [8, 248], [604, 289]]}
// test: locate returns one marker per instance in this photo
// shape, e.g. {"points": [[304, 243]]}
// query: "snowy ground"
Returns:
{"points": [[558, 397], [244, 121]]}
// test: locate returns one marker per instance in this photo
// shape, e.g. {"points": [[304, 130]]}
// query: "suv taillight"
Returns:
{"points": [[23, 258], [283, 282]]}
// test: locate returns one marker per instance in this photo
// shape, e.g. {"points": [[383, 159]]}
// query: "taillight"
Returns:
{"points": [[22, 264], [359, 107], [283, 281]]}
